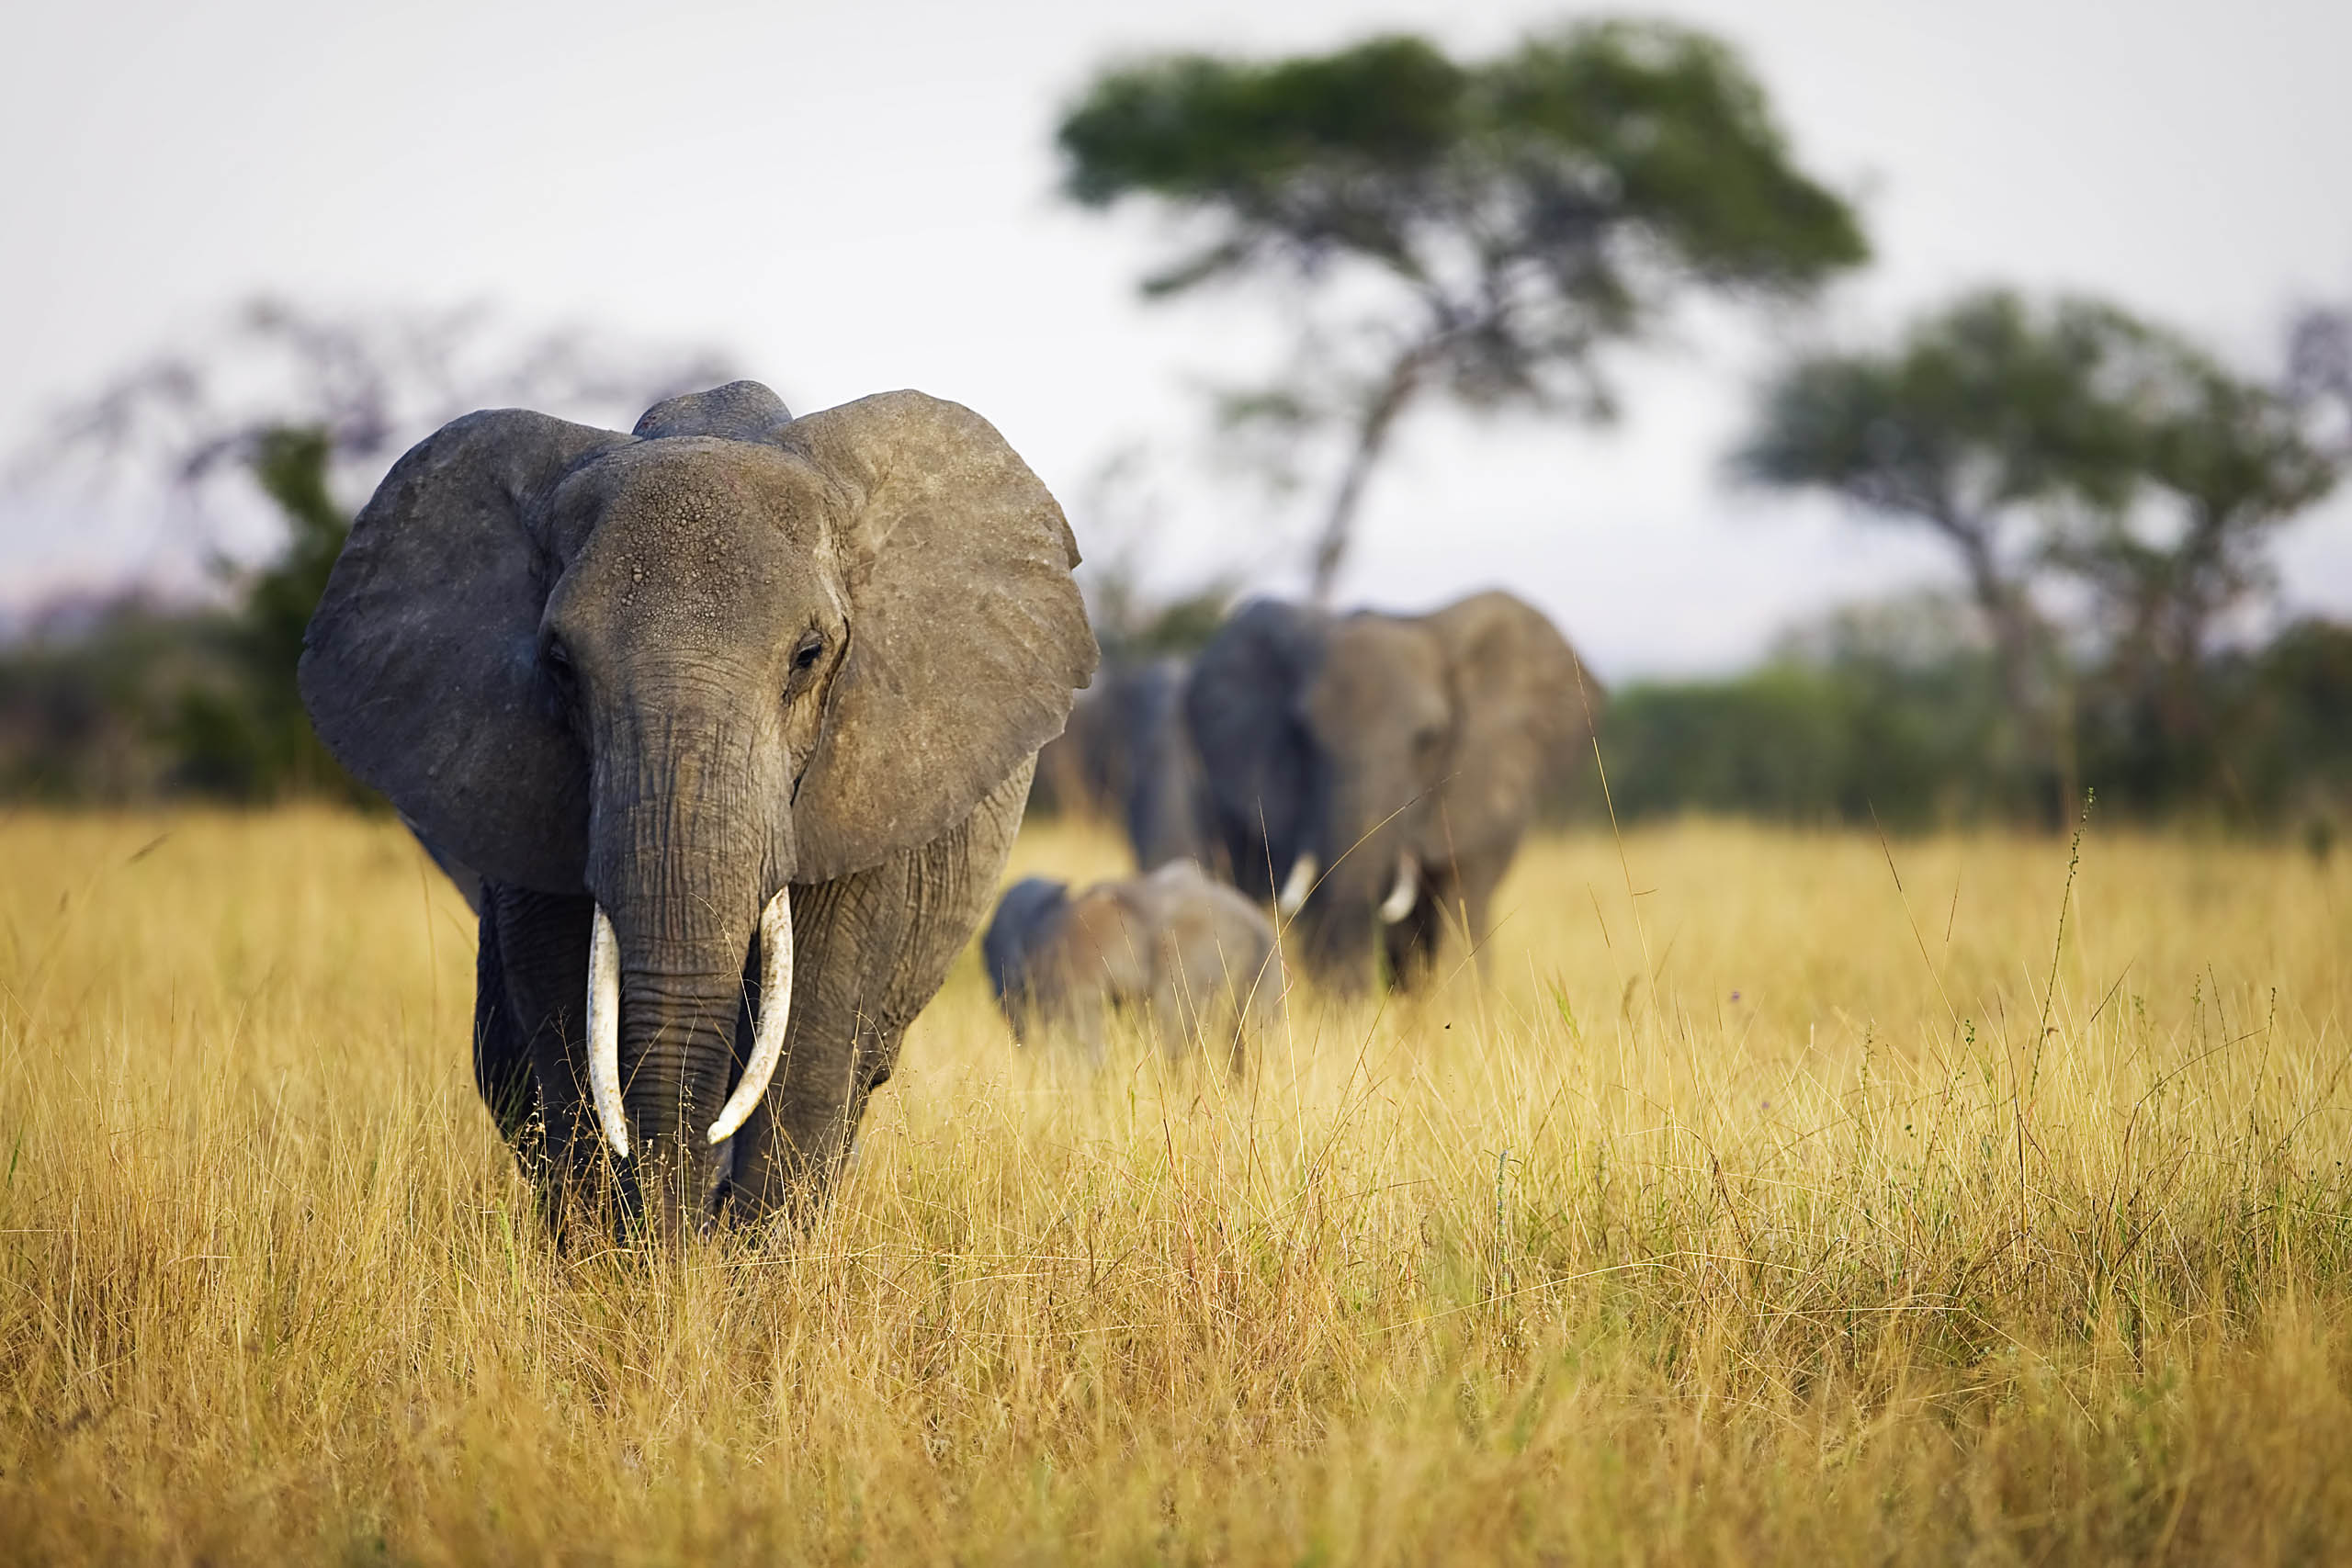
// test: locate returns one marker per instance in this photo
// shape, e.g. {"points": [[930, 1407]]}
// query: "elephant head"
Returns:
{"points": [[1372, 773], [681, 670]]}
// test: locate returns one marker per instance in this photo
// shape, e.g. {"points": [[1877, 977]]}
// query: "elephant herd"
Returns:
{"points": [[725, 726], [1367, 776]]}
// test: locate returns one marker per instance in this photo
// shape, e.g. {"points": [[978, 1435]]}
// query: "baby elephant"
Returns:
{"points": [[1195, 953]]}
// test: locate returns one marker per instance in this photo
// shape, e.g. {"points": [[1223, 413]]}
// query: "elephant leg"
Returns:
{"points": [[870, 951], [1449, 918], [502, 1068], [1408, 947], [541, 942], [1470, 900]]}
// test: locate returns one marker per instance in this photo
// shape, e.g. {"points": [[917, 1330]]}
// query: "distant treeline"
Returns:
{"points": [[1888, 712], [126, 700], [1838, 727]]}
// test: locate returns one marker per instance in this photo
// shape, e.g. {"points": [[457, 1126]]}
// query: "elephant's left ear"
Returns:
{"points": [[967, 637], [421, 669], [1524, 701]]}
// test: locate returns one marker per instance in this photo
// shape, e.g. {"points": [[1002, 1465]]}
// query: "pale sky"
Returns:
{"points": [[855, 197]]}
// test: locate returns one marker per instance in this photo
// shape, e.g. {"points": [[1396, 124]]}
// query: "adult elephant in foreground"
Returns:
{"points": [[734, 717], [1374, 773]]}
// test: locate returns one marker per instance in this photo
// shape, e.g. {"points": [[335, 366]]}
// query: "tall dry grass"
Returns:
{"points": [[1752, 1209]]}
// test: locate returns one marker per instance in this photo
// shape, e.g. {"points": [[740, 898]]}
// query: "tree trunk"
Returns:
{"points": [[2043, 729], [1396, 390]]}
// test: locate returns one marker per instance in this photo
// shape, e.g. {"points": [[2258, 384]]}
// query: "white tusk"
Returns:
{"points": [[775, 1011], [1297, 884], [1400, 902], [604, 1031]]}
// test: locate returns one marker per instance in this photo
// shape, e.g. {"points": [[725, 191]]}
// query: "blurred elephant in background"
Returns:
{"points": [[1373, 773], [1126, 755], [1191, 954], [732, 717]]}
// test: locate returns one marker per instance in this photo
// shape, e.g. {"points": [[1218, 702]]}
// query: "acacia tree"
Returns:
{"points": [[2220, 463], [1485, 230], [2072, 437]]}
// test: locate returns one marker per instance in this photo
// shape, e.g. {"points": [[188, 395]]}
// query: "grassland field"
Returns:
{"points": [[1767, 1197]]}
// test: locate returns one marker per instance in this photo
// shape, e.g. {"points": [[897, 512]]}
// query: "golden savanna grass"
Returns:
{"points": [[1753, 1209]]}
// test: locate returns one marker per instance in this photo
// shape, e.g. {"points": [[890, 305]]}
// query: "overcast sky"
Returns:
{"points": [[851, 197]]}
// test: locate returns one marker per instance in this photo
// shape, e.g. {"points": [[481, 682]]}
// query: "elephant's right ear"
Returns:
{"points": [[421, 668], [1525, 702]]}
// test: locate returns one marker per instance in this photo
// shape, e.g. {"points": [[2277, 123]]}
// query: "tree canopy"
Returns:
{"points": [[1516, 215], [2071, 437]]}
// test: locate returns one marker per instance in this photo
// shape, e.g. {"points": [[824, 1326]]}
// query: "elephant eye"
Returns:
{"points": [[557, 658], [805, 658]]}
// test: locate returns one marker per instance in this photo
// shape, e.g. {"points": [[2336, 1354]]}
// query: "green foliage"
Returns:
{"points": [[2271, 741], [1893, 712], [245, 734], [1987, 406], [2225, 463], [85, 708], [2070, 439], [1861, 716], [139, 701], [1519, 214], [1262, 139], [1553, 156]]}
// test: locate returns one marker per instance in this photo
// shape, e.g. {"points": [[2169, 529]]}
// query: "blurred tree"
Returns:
{"points": [[245, 734], [88, 691], [1988, 420], [2220, 462], [2291, 731], [2319, 372], [2073, 436], [1489, 228], [1875, 712]]}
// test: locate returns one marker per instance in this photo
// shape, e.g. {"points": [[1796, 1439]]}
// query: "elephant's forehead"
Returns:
{"points": [[693, 532], [693, 492], [1377, 669]]}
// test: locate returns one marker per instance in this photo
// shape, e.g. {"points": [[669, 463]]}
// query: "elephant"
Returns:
{"points": [[1194, 955], [1372, 775], [1127, 753], [729, 720]]}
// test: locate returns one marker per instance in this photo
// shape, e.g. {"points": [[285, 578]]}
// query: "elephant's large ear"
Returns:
{"points": [[1521, 712], [966, 634], [421, 668]]}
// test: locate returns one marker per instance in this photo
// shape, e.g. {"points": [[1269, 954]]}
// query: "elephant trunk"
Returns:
{"points": [[768, 1043], [688, 889], [1373, 886], [1337, 924]]}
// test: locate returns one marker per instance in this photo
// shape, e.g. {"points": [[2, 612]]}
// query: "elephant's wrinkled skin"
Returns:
{"points": [[1383, 767], [673, 674], [1192, 955]]}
